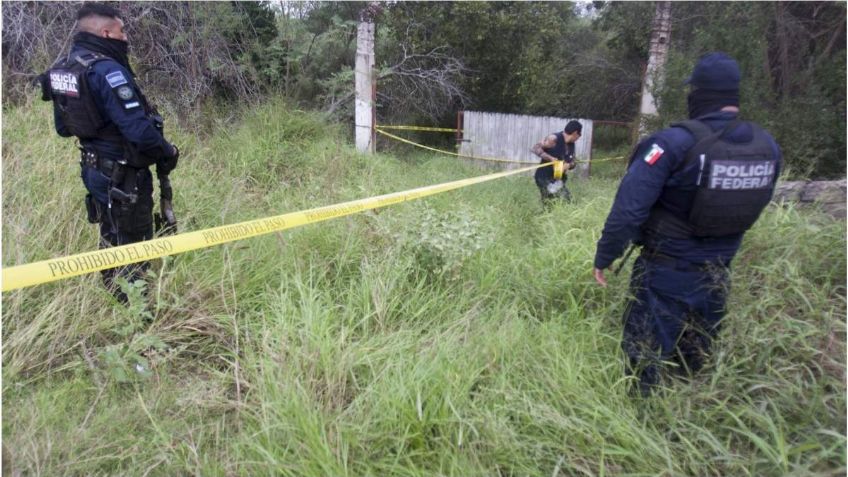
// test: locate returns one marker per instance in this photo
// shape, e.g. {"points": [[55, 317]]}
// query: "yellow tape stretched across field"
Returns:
{"points": [[60, 268], [417, 128], [493, 159]]}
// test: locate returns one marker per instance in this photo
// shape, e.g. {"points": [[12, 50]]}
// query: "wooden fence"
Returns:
{"points": [[511, 136]]}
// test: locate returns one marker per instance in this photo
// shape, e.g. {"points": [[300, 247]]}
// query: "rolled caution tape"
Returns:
{"points": [[417, 128], [559, 167], [46, 271]]}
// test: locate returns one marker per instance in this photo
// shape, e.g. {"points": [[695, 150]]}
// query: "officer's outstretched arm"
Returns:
{"points": [[640, 188]]}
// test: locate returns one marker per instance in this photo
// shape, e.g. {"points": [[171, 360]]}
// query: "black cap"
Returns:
{"points": [[716, 71], [573, 126]]}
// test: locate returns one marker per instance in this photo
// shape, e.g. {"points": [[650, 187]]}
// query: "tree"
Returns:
{"points": [[655, 71], [185, 52], [796, 92]]}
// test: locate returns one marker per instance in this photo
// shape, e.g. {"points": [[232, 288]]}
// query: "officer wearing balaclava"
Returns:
{"points": [[96, 98], [689, 194]]}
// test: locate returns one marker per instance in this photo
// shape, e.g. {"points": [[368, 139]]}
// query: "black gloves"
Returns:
{"points": [[168, 163]]}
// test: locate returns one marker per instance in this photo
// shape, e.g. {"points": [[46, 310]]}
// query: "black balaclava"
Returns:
{"points": [[704, 101], [715, 84], [115, 49]]}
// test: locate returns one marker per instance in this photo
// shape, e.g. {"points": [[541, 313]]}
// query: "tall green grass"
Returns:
{"points": [[457, 335]]}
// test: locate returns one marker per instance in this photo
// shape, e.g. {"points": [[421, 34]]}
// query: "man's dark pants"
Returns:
{"points": [[674, 314], [123, 223]]}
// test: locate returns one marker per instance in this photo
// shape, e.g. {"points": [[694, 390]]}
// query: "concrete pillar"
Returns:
{"points": [[365, 90]]}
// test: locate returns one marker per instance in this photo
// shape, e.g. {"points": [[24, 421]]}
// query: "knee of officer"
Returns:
{"points": [[638, 341]]}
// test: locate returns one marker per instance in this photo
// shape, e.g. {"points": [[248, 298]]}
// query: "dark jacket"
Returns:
{"points": [[653, 178], [109, 83]]}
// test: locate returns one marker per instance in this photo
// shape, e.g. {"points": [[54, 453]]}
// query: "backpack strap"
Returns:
{"points": [[89, 59], [705, 137], [698, 128]]}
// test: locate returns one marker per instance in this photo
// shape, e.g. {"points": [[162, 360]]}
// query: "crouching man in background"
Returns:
{"points": [[558, 146]]}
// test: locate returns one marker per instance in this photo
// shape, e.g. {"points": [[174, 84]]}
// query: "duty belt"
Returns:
{"points": [[90, 158], [679, 264]]}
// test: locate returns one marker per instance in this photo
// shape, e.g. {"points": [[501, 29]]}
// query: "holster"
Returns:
{"points": [[131, 212], [123, 185], [92, 209]]}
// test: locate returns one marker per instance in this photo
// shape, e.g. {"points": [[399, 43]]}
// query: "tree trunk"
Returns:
{"points": [[655, 71]]}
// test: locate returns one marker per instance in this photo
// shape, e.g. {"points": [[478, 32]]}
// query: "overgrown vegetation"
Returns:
{"points": [[435, 58], [457, 335]]}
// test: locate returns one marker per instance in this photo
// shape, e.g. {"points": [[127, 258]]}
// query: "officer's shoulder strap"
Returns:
{"points": [[88, 59], [705, 137], [699, 129]]}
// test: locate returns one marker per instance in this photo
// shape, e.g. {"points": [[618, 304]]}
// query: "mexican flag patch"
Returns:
{"points": [[654, 154]]}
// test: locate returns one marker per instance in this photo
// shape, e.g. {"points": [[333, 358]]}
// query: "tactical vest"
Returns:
{"points": [[66, 85], [561, 150], [734, 184]]}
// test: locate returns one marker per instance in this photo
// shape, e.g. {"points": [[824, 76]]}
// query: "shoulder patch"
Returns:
{"points": [[654, 154], [125, 92], [116, 78]]}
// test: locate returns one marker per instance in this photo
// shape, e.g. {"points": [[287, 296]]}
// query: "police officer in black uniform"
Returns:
{"points": [[558, 146], [95, 98], [689, 195]]}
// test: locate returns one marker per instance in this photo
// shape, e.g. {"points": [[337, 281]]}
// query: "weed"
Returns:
{"points": [[456, 335]]}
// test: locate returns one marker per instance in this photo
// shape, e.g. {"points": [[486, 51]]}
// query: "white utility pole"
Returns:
{"points": [[655, 72], [364, 75]]}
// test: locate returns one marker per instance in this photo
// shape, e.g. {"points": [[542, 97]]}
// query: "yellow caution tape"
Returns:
{"points": [[559, 166], [493, 159], [417, 128], [65, 267]]}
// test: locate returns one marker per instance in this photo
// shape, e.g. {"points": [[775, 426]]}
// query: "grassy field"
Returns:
{"points": [[457, 335]]}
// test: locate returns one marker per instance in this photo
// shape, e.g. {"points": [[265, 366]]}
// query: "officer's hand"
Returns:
{"points": [[571, 165], [600, 278], [169, 163], [175, 152]]}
